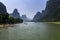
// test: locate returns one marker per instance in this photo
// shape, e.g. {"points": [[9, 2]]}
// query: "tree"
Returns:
{"points": [[14, 20], [4, 17]]}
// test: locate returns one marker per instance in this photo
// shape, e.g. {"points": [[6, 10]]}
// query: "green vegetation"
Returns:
{"points": [[5, 18], [55, 23], [13, 20]]}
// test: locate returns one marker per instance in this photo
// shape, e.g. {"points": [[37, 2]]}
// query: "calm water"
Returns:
{"points": [[31, 31]]}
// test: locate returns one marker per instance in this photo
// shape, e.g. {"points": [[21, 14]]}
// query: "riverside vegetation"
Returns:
{"points": [[5, 18]]}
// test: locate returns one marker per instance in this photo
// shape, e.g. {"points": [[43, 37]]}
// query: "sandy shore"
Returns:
{"points": [[5, 25]]}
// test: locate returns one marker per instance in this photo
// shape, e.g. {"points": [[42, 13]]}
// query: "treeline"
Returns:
{"points": [[6, 19]]}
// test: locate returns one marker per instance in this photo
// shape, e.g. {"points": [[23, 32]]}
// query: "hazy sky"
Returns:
{"points": [[28, 7]]}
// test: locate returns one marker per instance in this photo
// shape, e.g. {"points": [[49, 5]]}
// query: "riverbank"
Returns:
{"points": [[6, 25], [56, 22], [53, 22]]}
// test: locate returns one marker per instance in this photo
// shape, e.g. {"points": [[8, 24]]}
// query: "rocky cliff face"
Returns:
{"points": [[51, 13], [52, 9], [15, 14], [3, 14], [37, 16], [24, 17], [2, 8]]}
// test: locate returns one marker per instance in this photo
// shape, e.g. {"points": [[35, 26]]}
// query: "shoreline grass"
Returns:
{"points": [[56, 22]]}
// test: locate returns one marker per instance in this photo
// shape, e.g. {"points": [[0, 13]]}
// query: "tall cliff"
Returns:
{"points": [[15, 14], [2, 8], [3, 14], [37, 16], [52, 11]]}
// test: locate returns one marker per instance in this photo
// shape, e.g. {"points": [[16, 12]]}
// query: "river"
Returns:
{"points": [[31, 31]]}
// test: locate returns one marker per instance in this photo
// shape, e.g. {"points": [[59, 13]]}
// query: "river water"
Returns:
{"points": [[31, 31]]}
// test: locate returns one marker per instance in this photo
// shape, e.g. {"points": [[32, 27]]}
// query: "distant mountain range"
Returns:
{"points": [[50, 14], [16, 14], [25, 18]]}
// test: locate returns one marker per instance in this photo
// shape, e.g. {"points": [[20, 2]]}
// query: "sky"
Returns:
{"points": [[25, 7]]}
